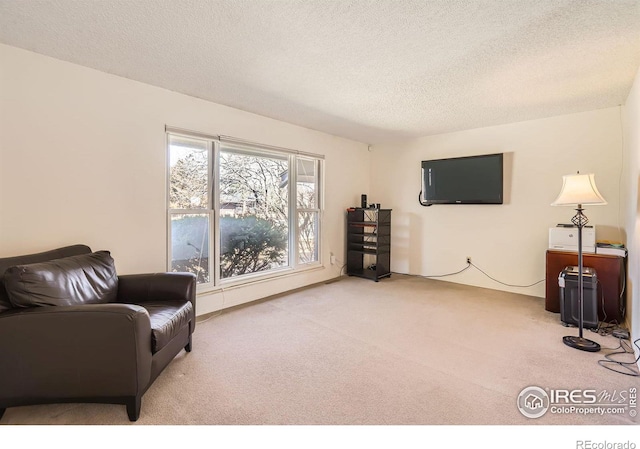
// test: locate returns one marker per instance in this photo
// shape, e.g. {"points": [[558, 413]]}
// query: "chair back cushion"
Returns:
{"points": [[57, 253], [75, 280]]}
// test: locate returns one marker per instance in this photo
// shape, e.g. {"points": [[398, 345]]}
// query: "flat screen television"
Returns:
{"points": [[463, 180]]}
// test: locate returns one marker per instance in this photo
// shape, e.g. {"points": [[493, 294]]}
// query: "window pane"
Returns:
{"points": [[254, 213], [188, 173], [307, 237], [190, 245], [307, 184]]}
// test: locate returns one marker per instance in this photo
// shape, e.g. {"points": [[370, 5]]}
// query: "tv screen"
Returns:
{"points": [[463, 180]]}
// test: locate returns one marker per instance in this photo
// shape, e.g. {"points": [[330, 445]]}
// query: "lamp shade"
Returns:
{"points": [[579, 189]]}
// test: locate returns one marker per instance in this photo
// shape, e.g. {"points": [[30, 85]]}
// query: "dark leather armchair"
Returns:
{"points": [[104, 343]]}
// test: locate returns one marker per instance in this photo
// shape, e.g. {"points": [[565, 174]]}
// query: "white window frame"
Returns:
{"points": [[209, 210], [216, 144], [317, 210]]}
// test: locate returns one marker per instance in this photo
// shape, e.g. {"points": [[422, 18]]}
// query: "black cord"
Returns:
{"points": [[504, 283], [602, 330], [630, 368], [342, 269], [469, 265], [605, 327], [447, 274], [623, 304], [421, 202]]}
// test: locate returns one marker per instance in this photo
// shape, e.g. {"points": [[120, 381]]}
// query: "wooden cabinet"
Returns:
{"points": [[611, 275], [369, 243]]}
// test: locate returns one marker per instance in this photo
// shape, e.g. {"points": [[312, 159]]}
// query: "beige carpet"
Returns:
{"points": [[406, 350]]}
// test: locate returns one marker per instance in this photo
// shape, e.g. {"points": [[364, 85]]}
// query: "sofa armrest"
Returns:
{"points": [[90, 350], [138, 288]]}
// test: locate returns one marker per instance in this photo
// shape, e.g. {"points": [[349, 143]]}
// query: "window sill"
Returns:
{"points": [[256, 279]]}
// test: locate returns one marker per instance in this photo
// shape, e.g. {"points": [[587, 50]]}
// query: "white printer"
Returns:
{"points": [[565, 238]]}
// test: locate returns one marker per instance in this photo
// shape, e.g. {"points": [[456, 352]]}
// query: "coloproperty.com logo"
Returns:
{"points": [[534, 402]]}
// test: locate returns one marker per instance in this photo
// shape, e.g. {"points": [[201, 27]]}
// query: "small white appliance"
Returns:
{"points": [[563, 238]]}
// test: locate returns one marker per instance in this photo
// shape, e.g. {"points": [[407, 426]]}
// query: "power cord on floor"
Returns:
{"points": [[447, 274], [504, 283], [617, 366], [471, 264], [604, 326], [342, 267]]}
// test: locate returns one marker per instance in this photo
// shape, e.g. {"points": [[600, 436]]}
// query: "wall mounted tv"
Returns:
{"points": [[463, 180]]}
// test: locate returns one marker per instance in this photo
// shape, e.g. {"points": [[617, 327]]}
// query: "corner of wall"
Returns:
{"points": [[630, 114]]}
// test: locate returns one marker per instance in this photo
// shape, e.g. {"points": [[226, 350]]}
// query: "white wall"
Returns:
{"points": [[630, 198], [82, 160], [507, 241]]}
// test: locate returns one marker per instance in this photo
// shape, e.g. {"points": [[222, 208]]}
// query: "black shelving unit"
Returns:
{"points": [[369, 243]]}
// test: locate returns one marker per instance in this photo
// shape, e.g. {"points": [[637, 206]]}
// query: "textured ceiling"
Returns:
{"points": [[371, 71]]}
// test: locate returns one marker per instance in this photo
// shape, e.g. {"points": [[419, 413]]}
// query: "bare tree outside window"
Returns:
{"points": [[189, 203], [307, 209], [256, 219], [255, 237]]}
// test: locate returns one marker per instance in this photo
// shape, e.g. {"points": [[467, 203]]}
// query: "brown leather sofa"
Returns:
{"points": [[72, 330]]}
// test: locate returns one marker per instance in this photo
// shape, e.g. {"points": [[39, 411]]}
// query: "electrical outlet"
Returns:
{"points": [[332, 259], [468, 259]]}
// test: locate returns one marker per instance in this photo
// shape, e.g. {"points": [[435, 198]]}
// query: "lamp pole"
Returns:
{"points": [[580, 220], [580, 264]]}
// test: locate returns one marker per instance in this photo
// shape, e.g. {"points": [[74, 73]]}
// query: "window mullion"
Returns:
{"points": [[293, 211], [320, 205], [317, 176], [215, 200]]}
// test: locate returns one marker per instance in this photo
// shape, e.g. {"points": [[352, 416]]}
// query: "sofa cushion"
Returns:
{"points": [[167, 320], [7, 262], [82, 279]]}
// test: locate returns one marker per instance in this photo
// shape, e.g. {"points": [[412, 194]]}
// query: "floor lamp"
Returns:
{"points": [[578, 190]]}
